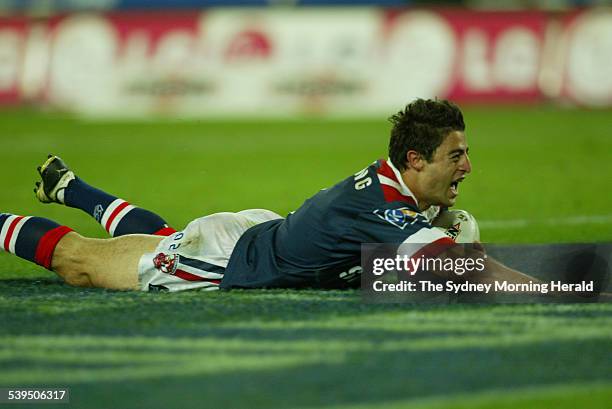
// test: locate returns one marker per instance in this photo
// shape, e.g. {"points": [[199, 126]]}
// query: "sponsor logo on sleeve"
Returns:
{"points": [[401, 217]]}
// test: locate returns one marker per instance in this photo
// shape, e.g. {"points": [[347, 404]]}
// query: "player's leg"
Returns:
{"points": [[31, 238], [103, 263], [109, 263], [60, 185]]}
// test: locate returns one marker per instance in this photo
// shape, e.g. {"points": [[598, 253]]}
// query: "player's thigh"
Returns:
{"points": [[118, 258]]}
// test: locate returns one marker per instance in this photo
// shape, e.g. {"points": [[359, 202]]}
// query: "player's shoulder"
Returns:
{"points": [[393, 204], [383, 183]]}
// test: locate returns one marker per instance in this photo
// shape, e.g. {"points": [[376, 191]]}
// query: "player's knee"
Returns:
{"points": [[77, 279], [71, 260]]}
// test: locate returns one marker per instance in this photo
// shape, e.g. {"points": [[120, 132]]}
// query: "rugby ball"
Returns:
{"points": [[459, 225]]}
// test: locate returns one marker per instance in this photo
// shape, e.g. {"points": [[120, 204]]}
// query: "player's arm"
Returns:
{"points": [[462, 229], [494, 270], [421, 241], [464, 246]]}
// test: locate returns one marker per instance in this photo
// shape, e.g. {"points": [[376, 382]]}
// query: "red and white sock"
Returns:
{"points": [[31, 238], [120, 217], [117, 216]]}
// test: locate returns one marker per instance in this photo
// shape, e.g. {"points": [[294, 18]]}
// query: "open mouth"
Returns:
{"points": [[454, 186]]}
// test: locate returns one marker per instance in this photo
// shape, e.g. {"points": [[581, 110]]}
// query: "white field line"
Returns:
{"points": [[559, 221]]}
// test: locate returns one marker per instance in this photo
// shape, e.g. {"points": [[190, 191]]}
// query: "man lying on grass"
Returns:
{"points": [[317, 246]]}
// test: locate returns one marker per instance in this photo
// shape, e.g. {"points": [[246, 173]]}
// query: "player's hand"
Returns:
{"points": [[480, 247]]}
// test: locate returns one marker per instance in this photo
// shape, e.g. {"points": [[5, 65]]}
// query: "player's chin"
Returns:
{"points": [[450, 201], [444, 202], [444, 199]]}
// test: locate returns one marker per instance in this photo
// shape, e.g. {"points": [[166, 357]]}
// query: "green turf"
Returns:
{"points": [[286, 349]]}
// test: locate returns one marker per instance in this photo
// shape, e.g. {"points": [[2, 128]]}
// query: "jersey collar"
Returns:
{"points": [[393, 185], [404, 190]]}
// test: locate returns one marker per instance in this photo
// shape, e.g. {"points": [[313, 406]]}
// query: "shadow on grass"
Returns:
{"points": [[25, 304], [49, 307], [283, 349], [359, 377]]}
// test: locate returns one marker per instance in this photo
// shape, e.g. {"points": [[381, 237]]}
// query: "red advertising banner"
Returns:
{"points": [[354, 61], [499, 56]]}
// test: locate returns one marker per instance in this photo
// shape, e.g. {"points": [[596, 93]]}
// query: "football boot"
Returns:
{"points": [[55, 176]]}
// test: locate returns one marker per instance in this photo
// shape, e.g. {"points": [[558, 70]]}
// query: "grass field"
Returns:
{"points": [[540, 175]]}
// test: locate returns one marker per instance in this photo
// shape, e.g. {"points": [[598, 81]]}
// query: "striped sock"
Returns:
{"points": [[116, 216], [31, 238]]}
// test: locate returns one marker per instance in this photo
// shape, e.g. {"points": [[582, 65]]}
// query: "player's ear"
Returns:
{"points": [[414, 160]]}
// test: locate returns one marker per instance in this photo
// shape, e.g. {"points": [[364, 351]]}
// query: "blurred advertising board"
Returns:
{"points": [[279, 62], [60, 6]]}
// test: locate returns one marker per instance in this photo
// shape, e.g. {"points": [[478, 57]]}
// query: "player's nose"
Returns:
{"points": [[466, 166]]}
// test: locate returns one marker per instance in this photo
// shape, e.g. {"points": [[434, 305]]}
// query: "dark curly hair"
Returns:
{"points": [[422, 127]]}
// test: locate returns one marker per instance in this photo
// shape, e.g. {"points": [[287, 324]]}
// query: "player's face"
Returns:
{"points": [[449, 166]]}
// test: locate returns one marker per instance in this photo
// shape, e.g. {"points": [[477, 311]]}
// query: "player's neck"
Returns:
{"points": [[412, 181]]}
